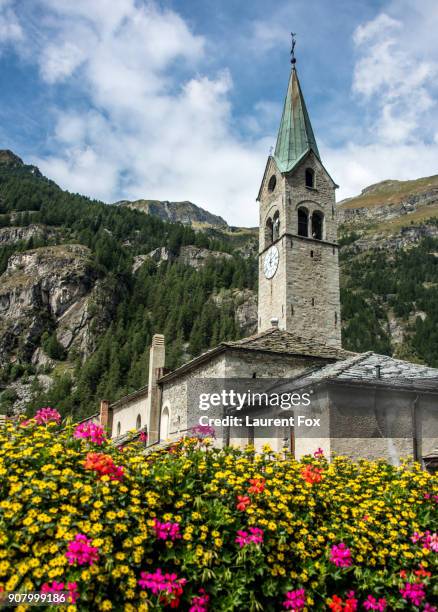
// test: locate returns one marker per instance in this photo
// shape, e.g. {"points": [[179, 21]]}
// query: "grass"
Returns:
{"points": [[391, 193]]}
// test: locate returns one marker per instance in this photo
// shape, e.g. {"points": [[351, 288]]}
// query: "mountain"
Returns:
{"points": [[84, 285], [389, 268], [177, 212]]}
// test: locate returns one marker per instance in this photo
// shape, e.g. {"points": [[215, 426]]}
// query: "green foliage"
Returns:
{"points": [[405, 282], [178, 300], [7, 399], [170, 298], [51, 346]]}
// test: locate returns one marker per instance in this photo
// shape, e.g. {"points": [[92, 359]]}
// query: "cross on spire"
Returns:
{"points": [[293, 60]]}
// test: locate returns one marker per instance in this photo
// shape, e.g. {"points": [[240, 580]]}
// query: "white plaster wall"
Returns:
{"points": [[127, 414]]}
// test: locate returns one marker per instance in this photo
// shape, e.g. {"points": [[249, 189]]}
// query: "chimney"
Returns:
{"points": [[105, 416], [274, 322], [157, 355]]}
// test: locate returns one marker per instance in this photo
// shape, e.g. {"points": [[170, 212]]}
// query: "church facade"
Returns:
{"points": [[299, 330]]}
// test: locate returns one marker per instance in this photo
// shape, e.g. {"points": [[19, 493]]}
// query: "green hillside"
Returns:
{"points": [[76, 322]]}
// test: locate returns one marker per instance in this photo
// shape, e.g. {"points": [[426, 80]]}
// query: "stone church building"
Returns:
{"points": [[361, 396]]}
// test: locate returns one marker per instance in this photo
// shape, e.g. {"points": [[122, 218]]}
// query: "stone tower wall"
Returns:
{"points": [[304, 293]]}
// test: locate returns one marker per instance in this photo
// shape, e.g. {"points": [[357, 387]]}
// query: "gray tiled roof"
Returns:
{"points": [[377, 369], [276, 340], [273, 340]]}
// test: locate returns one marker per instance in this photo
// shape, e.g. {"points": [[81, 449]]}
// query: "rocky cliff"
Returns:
{"points": [[389, 234], [189, 255], [54, 291], [77, 313], [403, 202], [177, 212]]}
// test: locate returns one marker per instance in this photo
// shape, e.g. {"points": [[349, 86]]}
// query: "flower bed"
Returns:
{"points": [[199, 528]]}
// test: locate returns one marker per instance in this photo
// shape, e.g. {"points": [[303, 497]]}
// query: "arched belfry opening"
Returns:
{"points": [[310, 177], [303, 222], [276, 226], [317, 225], [269, 231], [272, 183]]}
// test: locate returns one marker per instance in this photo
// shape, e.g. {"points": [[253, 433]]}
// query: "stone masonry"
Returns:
{"points": [[304, 293]]}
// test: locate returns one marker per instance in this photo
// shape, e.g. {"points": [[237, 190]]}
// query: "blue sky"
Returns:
{"points": [[182, 99]]}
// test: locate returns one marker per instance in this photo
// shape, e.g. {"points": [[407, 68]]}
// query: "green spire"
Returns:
{"points": [[295, 136]]}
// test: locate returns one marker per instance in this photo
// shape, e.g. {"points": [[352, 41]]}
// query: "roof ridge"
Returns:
{"points": [[353, 361], [258, 335]]}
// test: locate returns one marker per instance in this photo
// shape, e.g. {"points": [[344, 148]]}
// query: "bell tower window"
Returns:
{"points": [[276, 226], [317, 225], [269, 232], [272, 183], [310, 178], [303, 222]]}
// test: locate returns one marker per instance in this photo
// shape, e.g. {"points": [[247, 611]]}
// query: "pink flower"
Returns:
{"points": [[340, 555], [204, 431], [56, 587], [47, 415], [413, 592], [199, 602], [295, 600], [430, 541], [90, 430], [166, 531], [318, 453], [168, 586], [143, 436], [371, 603], [429, 608], [254, 536], [81, 552]]}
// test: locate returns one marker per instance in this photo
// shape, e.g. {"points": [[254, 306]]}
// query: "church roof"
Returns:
{"points": [[273, 340], [374, 369], [295, 136], [276, 340]]}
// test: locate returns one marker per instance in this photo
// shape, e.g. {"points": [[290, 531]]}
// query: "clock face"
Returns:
{"points": [[270, 262]]}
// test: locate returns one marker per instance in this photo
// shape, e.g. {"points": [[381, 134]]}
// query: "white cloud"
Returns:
{"points": [[356, 166], [160, 125], [156, 126], [10, 29], [392, 78], [394, 82]]}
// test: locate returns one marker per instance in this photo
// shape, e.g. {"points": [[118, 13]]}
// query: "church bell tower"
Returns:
{"points": [[298, 250]]}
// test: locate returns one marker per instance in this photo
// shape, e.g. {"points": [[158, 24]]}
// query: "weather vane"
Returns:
{"points": [[293, 61]]}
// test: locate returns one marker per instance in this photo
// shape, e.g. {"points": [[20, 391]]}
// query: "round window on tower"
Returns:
{"points": [[272, 183]]}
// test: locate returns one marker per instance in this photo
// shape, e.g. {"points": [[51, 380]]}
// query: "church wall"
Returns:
{"points": [[232, 364], [126, 414], [391, 449], [174, 393], [319, 407], [312, 278], [376, 412], [244, 364], [321, 197], [303, 294]]}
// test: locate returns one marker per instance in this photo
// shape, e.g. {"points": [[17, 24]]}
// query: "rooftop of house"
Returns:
{"points": [[377, 370], [273, 340]]}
